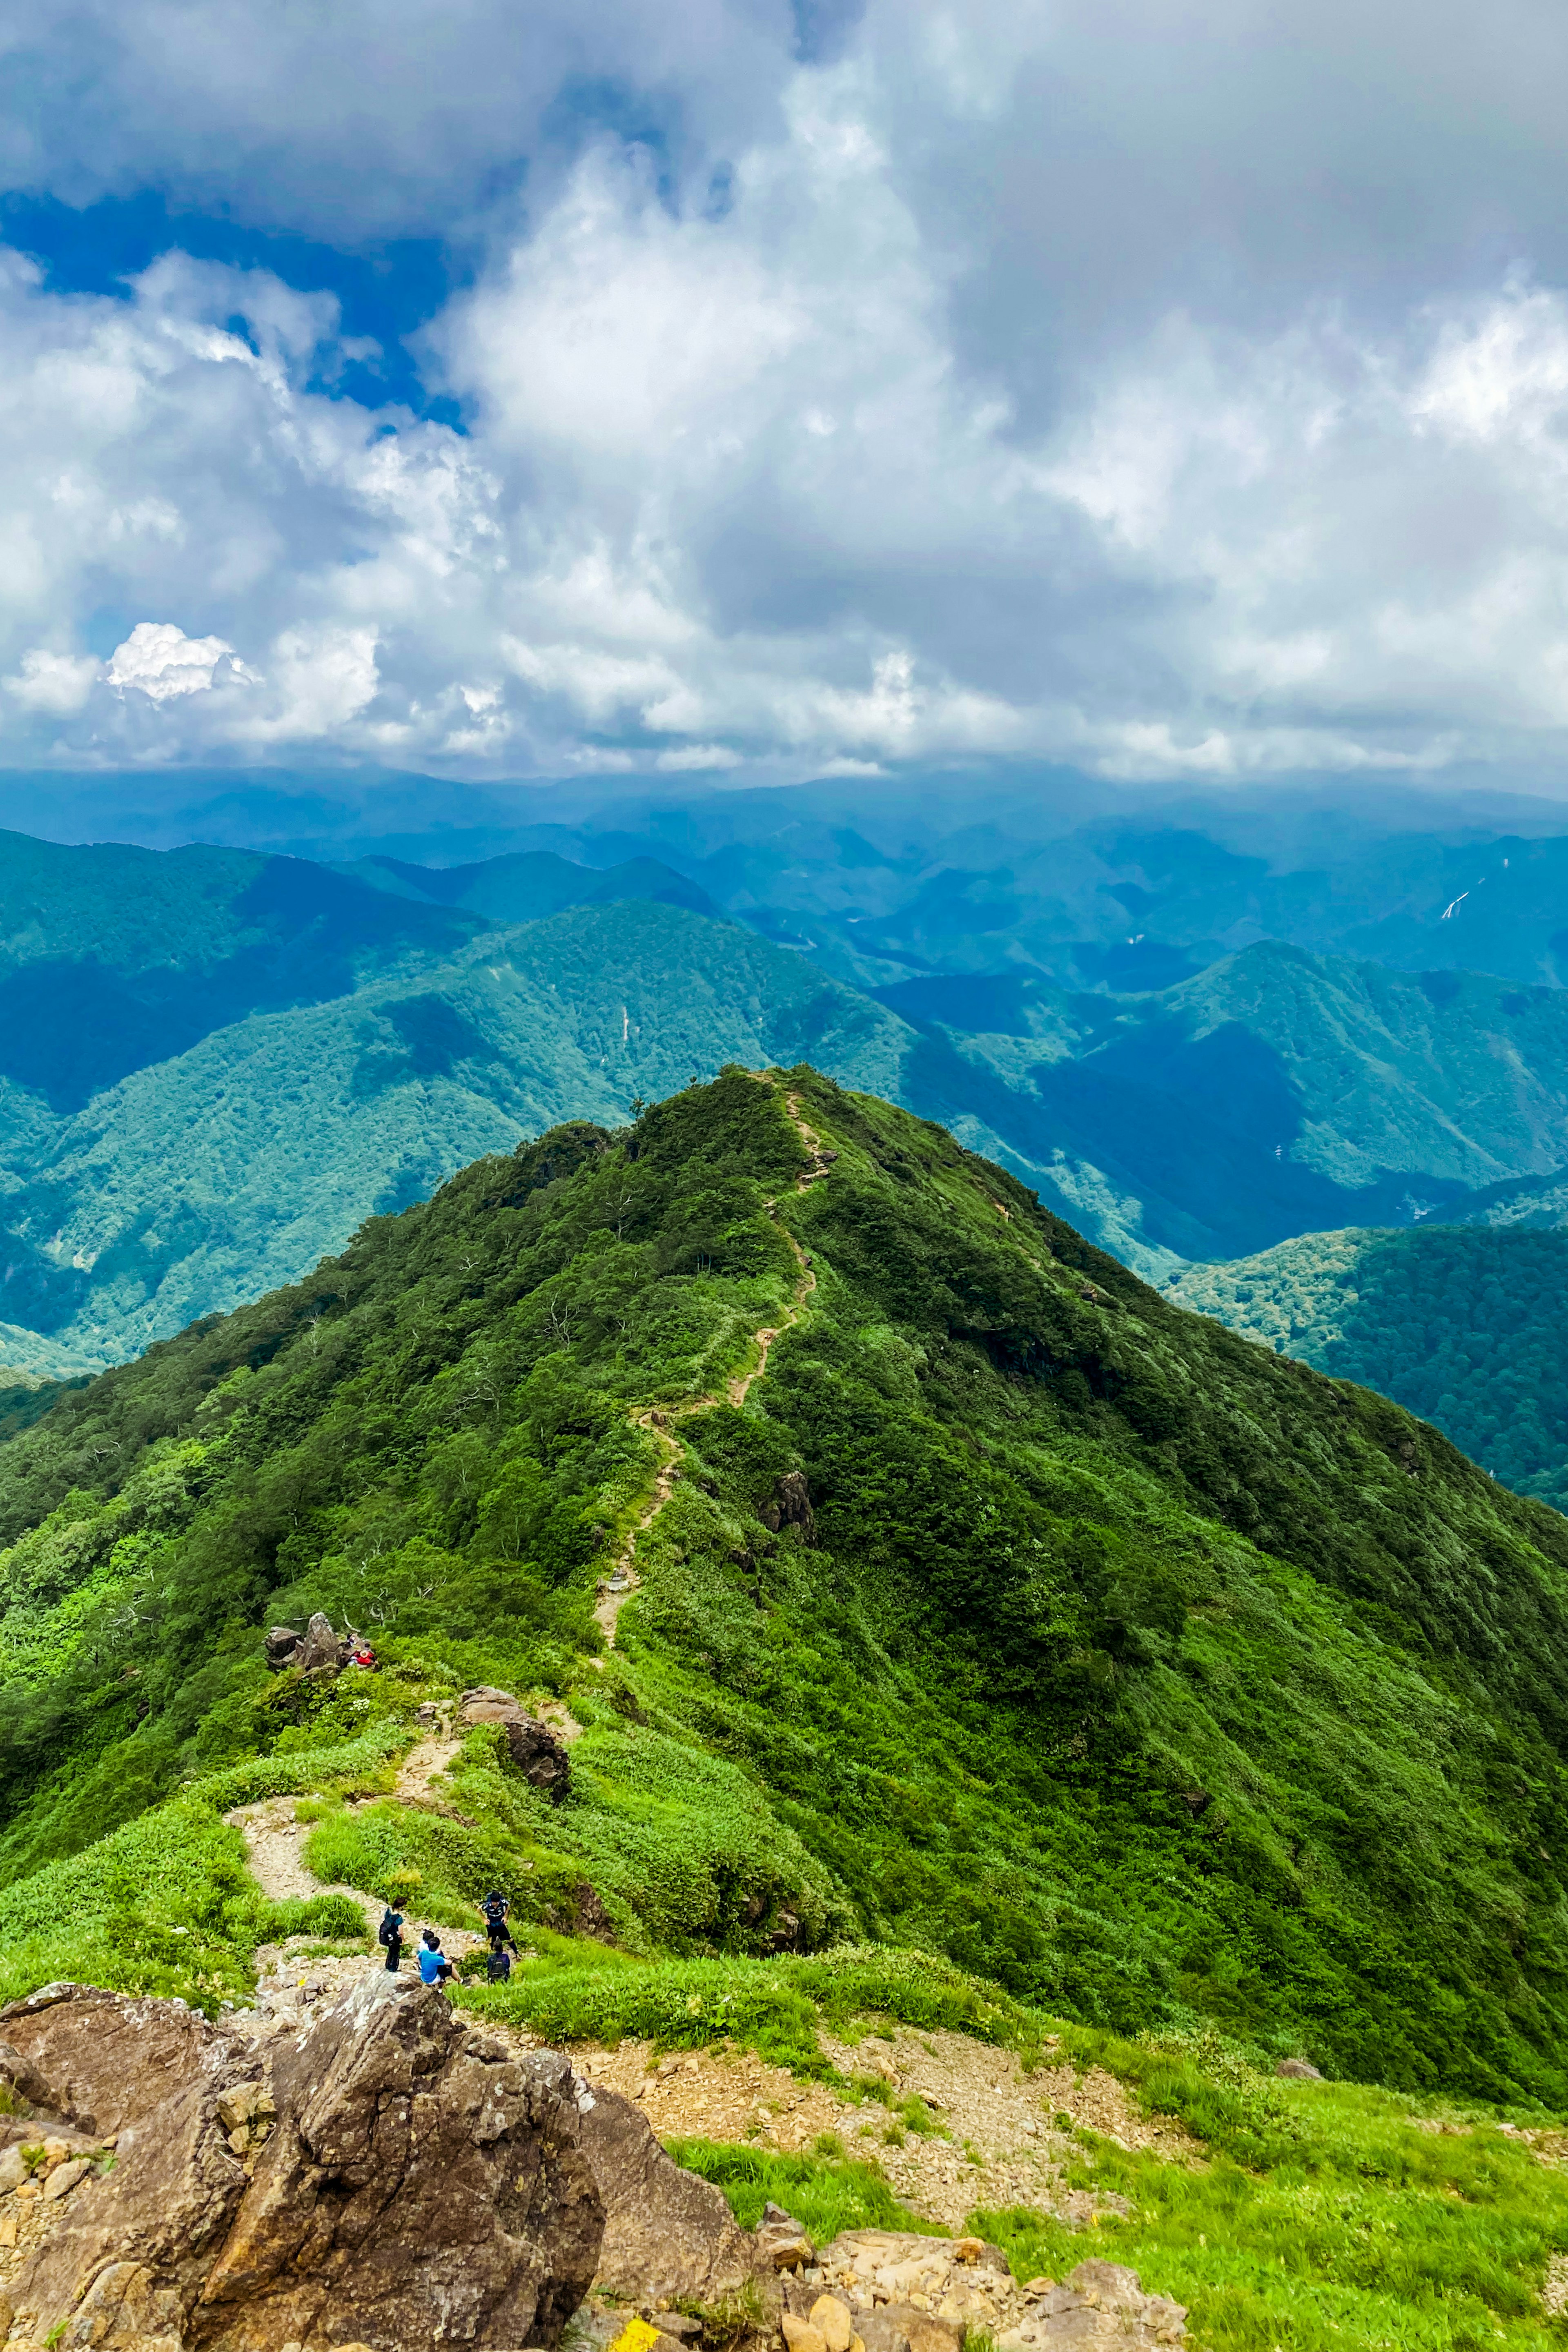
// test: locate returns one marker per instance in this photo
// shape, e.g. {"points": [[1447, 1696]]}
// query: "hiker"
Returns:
{"points": [[363, 1656], [434, 1967], [495, 1908], [498, 1967], [390, 1933]]}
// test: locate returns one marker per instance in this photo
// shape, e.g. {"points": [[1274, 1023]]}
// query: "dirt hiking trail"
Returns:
{"points": [[275, 1841], [623, 1580]]}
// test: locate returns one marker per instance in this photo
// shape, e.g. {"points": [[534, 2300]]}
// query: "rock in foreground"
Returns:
{"points": [[393, 2178], [891, 2291]]}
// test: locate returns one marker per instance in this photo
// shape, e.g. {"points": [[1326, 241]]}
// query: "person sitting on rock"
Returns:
{"points": [[434, 1967], [363, 1656], [390, 1933]]}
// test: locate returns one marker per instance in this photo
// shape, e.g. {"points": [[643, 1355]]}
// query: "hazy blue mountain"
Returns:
{"points": [[1274, 1093], [111, 957], [215, 1062], [530, 884]]}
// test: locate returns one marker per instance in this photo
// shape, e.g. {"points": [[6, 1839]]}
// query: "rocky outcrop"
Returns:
{"points": [[892, 2291], [789, 1505], [317, 1649], [670, 2236], [392, 2178], [538, 1755]]}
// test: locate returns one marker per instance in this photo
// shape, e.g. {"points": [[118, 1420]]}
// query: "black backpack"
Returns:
{"points": [[390, 1926], [498, 1967]]}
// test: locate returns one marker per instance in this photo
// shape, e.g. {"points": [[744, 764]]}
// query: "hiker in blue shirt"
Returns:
{"points": [[434, 1967]]}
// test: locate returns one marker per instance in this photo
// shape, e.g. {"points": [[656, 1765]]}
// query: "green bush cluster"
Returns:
{"points": [[1142, 1676]]}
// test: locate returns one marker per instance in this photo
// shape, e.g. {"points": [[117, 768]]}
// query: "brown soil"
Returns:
{"points": [[994, 2144]]}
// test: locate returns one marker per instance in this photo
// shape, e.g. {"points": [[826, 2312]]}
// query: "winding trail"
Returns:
{"points": [[275, 1841], [623, 1580]]}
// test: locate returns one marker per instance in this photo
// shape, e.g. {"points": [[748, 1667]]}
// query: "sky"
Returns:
{"points": [[769, 392]]}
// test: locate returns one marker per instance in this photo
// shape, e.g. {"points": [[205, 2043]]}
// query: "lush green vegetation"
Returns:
{"points": [[1323, 2215], [825, 2193], [295, 1125], [1466, 1326], [1129, 1673], [1132, 1668], [327, 1050]]}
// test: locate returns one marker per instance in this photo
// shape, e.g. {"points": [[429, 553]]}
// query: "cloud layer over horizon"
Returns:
{"points": [[1173, 394]]}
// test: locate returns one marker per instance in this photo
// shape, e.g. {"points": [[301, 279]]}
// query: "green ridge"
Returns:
{"points": [[1142, 1673]]}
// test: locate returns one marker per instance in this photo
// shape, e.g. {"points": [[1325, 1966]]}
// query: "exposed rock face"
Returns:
{"points": [[791, 1506], [870, 2277], [317, 1651], [321, 1646], [538, 1755], [668, 2235], [397, 2177]]}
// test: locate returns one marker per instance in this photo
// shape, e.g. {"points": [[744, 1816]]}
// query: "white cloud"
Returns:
{"points": [[57, 683], [692, 758], [160, 661], [891, 451]]}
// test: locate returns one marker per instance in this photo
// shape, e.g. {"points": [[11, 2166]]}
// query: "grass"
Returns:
{"points": [[825, 2192], [1355, 2226], [1370, 2232]]}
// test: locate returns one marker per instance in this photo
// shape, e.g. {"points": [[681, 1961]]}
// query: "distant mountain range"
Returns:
{"points": [[215, 1063]]}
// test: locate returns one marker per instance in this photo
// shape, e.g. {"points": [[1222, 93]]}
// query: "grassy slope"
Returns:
{"points": [[1133, 1668], [1034, 1620], [1466, 1326]]}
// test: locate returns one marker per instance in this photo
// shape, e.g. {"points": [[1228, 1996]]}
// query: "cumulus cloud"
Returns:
{"points": [[968, 412], [160, 661]]}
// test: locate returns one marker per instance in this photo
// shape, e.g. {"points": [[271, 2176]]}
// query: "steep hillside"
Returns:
{"points": [[1467, 1327], [1146, 1674], [1273, 1093], [295, 1127]]}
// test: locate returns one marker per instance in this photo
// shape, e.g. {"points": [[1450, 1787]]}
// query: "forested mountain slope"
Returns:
{"points": [[113, 958], [1464, 1325], [1273, 1093], [1148, 1673], [197, 1183], [291, 1051], [527, 887]]}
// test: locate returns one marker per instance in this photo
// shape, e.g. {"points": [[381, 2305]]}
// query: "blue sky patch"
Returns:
{"points": [[385, 293]]}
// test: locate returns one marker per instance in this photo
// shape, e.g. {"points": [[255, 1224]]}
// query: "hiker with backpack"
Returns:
{"points": [[497, 1910], [390, 1933], [498, 1967]]}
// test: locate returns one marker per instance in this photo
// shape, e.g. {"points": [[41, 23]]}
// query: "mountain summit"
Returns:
{"points": [[896, 1568]]}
